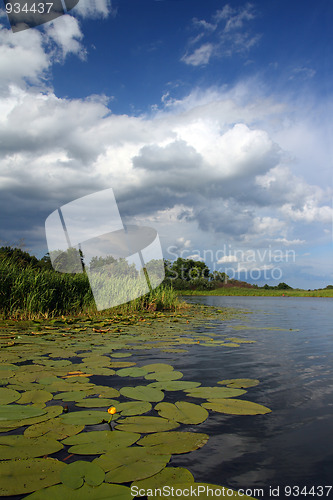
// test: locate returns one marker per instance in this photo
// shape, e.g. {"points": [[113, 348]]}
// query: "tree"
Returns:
{"points": [[283, 286]]}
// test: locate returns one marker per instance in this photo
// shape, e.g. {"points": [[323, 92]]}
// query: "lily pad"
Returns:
{"points": [[96, 442], [76, 473], [53, 428], [239, 383], [102, 492], [157, 367], [142, 393], [96, 403], [214, 392], [18, 477], [18, 412], [240, 341], [48, 380], [131, 464], [35, 397], [47, 413], [18, 446], [71, 396], [169, 476], [133, 408], [86, 417], [174, 442], [174, 385], [121, 364], [132, 372], [104, 391], [120, 354], [236, 407], [183, 412], [146, 424], [8, 395], [164, 375]]}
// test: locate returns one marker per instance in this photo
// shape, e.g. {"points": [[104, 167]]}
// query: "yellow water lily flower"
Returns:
{"points": [[112, 410]]}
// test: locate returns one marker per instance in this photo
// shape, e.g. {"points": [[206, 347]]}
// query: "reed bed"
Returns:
{"points": [[27, 293]]}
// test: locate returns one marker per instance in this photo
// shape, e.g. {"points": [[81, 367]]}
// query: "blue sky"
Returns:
{"points": [[211, 120]]}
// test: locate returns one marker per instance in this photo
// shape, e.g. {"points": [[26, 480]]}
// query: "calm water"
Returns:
{"points": [[293, 445]]}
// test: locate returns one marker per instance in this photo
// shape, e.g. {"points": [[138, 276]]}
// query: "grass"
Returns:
{"points": [[260, 292], [27, 293]]}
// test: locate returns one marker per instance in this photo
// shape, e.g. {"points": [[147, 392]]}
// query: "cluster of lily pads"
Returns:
{"points": [[49, 400]]}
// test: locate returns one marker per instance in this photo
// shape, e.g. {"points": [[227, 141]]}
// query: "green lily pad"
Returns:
{"points": [[18, 446], [86, 417], [183, 412], [133, 408], [47, 413], [24, 386], [120, 354], [201, 490], [18, 412], [132, 372], [239, 383], [71, 396], [146, 424], [240, 341], [236, 407], [174, 442], [62, 386], [18, 477], [101, 370], [48, 380], [96, 403], [96, 442], [174, 385], [8, 367], [25, 376], [79, 472], [169, 476], [142, 393], [8, 396], [214, 392], [35, 397], [157, 367], [131, 464], [102, 492], [121, 364], [164, 375], [53, 428], [104, 391]]}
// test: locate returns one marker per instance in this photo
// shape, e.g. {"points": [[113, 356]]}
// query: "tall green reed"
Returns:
{"points": [[29, 292]]}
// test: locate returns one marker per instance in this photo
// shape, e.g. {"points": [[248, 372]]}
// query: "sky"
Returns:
{"points": [[210, 120]]}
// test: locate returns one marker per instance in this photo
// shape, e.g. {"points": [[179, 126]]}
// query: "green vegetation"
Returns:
{"points": [[30, 288], [191, 277], [50, 393], [261, 292]]}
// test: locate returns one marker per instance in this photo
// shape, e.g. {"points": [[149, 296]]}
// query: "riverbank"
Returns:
{"points": [[258, 292], [28, 292]]}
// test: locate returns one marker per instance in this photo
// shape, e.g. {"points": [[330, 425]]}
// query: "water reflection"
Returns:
{"points": [[293, 444]]}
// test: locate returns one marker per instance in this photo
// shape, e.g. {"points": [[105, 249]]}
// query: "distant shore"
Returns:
{"points": [[259, 292]]}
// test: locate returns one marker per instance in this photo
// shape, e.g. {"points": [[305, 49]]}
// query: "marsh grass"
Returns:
{"points": [[260, 292], [27, 293]]}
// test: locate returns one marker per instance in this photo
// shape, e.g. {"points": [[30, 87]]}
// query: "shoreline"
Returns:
{"points": [[250, 292]]}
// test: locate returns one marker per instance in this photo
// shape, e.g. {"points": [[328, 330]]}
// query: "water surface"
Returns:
{"points": [[293, 359]]}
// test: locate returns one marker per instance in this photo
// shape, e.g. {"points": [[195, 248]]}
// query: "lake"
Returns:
{"points": [[293, 445]]}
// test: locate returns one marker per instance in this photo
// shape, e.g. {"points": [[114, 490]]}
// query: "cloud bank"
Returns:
{"points": [[209, 167]]}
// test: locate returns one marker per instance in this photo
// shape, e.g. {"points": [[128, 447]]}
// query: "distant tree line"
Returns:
{"points": [[182, 274]]}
